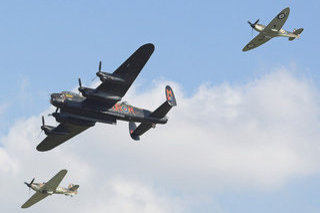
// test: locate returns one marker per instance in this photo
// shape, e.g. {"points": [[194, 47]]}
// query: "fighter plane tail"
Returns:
{"points": [[296, 32], [159, 113], [72, 187]]}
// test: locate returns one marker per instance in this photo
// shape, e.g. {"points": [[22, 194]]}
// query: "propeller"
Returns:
{"points": [[80, 85], [253, 25], [51, 114], [99, 70], [42, 127], [29, 184]]}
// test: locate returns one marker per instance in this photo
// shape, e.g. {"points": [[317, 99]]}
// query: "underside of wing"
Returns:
{"points": [[34, 199], [54, 140], [256, 42], [128, 72], [278, 21], [54, 182]]}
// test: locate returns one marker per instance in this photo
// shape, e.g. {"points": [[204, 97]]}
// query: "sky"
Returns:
{"points": [[243, 138]]}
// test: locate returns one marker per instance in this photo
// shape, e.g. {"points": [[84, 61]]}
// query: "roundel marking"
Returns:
{"points": [[124, 108], [281, 16]]}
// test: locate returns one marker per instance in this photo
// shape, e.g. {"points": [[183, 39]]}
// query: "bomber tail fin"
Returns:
{"points": [[160, 112], [296, 32]]}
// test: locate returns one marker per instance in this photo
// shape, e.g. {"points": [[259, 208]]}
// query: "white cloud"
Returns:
{"points": [[258, 135]]}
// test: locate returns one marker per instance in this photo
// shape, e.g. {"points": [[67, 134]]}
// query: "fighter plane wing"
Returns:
{"points": [[256, 42], [65, 131], [278, 21], [54, 182], [34, 199], [128, 71]]}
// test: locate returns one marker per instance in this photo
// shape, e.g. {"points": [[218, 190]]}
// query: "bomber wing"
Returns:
{"points": [[34, 199], [128, 72], [278, 21], [67, 131], [256, 42]]}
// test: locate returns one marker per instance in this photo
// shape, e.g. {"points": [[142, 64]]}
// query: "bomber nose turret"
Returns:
{"points": [[57, 99]]}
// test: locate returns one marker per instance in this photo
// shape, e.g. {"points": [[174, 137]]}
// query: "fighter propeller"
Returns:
{"points": [[29, 184], [253, 25]]}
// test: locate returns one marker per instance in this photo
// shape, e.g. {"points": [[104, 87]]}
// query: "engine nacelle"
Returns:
{"points": [[96, 95], [107, 77], [70, 118], [51, 130]]}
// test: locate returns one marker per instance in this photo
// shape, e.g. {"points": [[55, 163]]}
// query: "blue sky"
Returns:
{"points": [[47, 45]]}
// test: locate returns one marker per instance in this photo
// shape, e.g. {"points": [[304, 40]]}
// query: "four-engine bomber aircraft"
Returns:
{"points": [[273, 29], [77, 113], [51, 187]]}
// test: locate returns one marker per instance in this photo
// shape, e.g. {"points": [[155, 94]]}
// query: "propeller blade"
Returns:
{"points": [[42, 120], [29, 184], [80, 84], [99, 70], [40, 133], [254, 24]]}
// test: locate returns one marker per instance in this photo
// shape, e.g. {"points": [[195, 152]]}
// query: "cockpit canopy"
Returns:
{"points": [[70, 95], [124, 103]]}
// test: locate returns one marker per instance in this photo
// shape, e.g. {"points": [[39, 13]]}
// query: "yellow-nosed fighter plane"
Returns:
{"points": [[273, 29], [49, 188]]}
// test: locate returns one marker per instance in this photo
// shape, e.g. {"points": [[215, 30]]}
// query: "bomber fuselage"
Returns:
{"points": [[74, 109]]}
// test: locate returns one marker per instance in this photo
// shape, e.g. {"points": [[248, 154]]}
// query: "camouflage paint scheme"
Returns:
{"points": [[273, 29], [49, 188]]}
